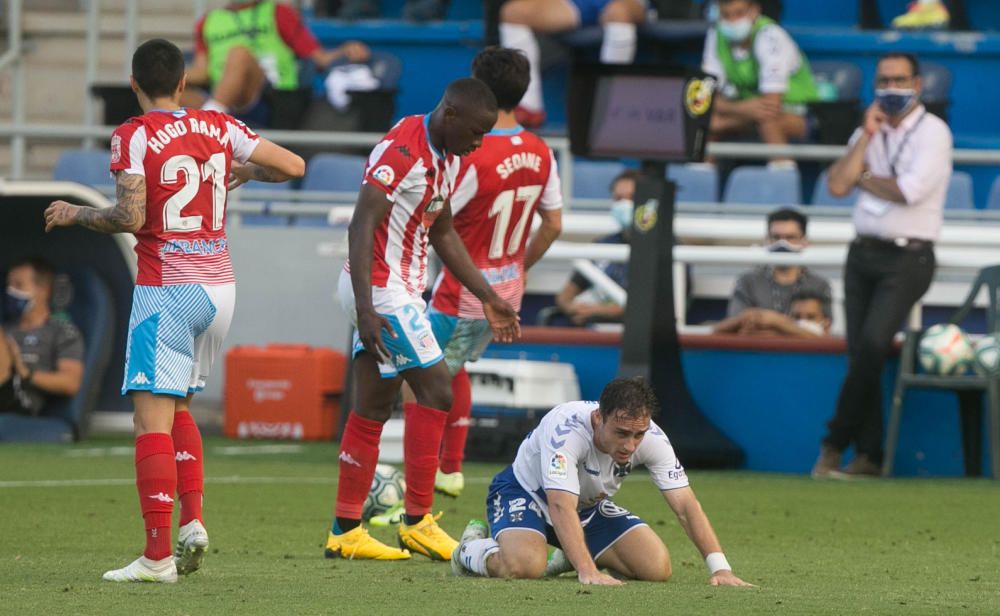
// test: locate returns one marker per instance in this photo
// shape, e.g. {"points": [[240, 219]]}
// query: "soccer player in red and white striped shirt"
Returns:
{"points": [[402, 206], [501, 187], [173, 168]]}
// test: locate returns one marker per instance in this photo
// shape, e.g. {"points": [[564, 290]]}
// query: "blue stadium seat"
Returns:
{"points": [[65, 419], [993, 202], [592, 179], [959, 195], [845, 75], [265, 220], [822, 196], [762, 185], [331, 172], [334, 172], [696, 183], [936, 82], [90, 167]]}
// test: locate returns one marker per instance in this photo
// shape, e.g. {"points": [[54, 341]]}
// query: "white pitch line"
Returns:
{"points": [[234, 479], [226, 450]]}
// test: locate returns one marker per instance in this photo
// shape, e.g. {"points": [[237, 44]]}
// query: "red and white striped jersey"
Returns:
{"points": [[417, 179], [185, 156], [501, 185]]}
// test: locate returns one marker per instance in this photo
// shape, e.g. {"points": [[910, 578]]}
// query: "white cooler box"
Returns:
{"points": [[523, 384]]}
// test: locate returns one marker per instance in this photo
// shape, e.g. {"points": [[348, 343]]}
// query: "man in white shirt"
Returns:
{"points": [[764, 78], [559, 489], [900, 158]]}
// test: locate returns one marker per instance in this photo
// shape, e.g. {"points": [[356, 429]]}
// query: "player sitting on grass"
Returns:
{"points": [[559, 489]]}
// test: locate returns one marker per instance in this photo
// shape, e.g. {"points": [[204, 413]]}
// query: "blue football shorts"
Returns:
{"points": [[414, 346], [462, 339], [509, 506], [174, 336]]}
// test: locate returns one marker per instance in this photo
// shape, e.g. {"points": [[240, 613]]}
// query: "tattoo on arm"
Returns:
{"points": [[127, 215], [264, 174]]}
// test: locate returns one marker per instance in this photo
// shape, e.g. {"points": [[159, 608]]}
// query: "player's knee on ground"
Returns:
{"points": [[522, 566], [622, 11], [656, 569]]}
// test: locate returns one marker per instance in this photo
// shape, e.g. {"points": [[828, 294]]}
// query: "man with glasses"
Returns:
{"points": [[900, 158], [765, 293]]}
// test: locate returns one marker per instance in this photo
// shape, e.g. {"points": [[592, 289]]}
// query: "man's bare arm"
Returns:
{"points": [[126, 216]]}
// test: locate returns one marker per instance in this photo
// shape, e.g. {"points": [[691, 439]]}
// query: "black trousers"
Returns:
{"points": [[882, 281]]}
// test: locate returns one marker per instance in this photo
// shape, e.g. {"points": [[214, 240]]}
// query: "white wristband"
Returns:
{"points": [[716, 561]]}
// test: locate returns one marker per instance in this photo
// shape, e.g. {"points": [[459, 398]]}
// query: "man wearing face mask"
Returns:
{"points": [[900, 158], [764, 77], [581, 313], [39, 356], [766, 292]]}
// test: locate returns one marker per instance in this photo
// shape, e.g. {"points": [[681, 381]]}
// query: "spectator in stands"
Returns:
{"points": [[900, 158], [40, 356], [764, 79], [520, 19], [809, 317], [771, 287], [413, 10], [579, 312], [247, 47]]}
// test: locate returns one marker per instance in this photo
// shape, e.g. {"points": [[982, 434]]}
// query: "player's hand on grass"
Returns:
{"points": [[726, 577], [598, 578], [239, 174], [370, 326], [503, 320], [60, 214]]}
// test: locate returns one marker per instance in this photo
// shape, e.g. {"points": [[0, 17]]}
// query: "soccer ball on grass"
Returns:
{"points": [[387, 490]]}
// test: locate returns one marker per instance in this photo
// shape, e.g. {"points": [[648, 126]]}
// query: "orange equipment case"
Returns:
{"points": [[283, 391]]}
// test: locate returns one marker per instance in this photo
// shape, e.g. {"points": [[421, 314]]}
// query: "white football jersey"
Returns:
{"points": [[560, 455]]}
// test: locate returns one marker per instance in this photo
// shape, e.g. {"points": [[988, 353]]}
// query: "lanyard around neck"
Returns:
{"points": [[902, 144]]}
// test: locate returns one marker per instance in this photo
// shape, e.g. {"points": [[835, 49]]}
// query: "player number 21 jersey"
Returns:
{"points": [[500, 187], [185, 157]]}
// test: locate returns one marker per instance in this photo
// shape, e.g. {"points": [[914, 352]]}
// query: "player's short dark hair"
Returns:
{"points": [[471, 93], [506, 72], [901, 55], [633, 397], [158, 66], [805, 295], [41, 267], [787, 213], [628, 174]]}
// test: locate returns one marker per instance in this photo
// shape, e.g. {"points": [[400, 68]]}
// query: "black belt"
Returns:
{"points": [[901, 243]]}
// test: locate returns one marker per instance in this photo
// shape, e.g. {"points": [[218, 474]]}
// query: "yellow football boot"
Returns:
{"points": [[359, 545], [923, 15], [451, 484], [427, 538]]}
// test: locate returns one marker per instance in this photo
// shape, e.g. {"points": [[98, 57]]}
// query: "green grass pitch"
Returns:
{"points": [[876, 547]]}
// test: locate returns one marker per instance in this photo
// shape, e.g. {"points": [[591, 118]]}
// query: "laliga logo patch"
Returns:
{"points": [[645, 215], [116, 148], [558, 466], [698, 96], [384, 175]]}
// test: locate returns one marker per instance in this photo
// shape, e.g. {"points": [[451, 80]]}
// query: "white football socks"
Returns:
{"points": [[618, 46], [518, 36], [214, 105], [474, 554]]}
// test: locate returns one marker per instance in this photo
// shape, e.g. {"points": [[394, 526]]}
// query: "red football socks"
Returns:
{"points": [[190, 467], [156, 481], [422, 434], [457, 427], [358, 457]]}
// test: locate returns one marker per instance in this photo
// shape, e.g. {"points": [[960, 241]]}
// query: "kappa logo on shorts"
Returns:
{"points": [[401, 360], [140, 379], [558, 466]]}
